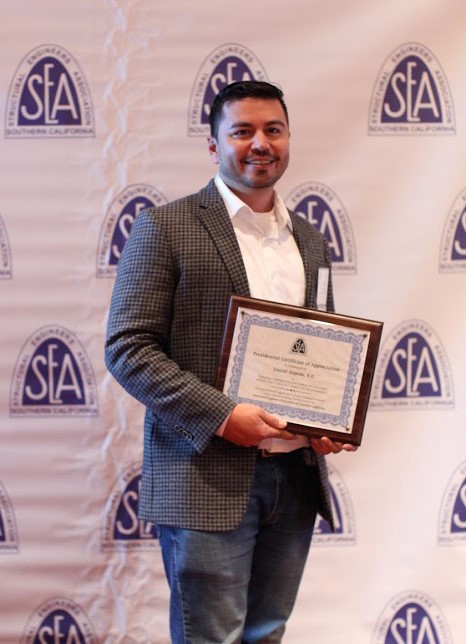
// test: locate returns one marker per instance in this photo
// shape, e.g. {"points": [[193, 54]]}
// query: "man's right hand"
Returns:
{"points": [[248, 424]]}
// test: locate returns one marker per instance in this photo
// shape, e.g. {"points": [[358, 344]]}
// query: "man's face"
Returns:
{"points": [[252, 144]]}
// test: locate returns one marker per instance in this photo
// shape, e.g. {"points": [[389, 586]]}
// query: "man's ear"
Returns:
{"points": [[212, 148]]}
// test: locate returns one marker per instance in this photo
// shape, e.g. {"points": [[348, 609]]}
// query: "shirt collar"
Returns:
{"points": [[234, 204]]}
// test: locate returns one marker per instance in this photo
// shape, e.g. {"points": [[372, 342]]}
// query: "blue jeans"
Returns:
{"points": [[241, 585]]}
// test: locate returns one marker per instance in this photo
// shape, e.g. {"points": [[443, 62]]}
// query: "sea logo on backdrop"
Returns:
{"points": [[53, 376], [411, 617], [49, 97], [321, 207], [343, 513], [413, 370], [5, 253], [452, 523], [411, 95], [122, 529], [59, 620], [118, 223], [453, 246], [8, 531], [226, 64]]}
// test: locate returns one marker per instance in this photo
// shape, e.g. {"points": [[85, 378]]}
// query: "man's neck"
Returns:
{"points": [[259, 200]]}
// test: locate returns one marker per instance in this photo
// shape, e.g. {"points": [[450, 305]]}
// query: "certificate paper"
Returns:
{"points": [[311, 368]]}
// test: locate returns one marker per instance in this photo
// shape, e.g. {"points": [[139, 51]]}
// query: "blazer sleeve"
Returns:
{"points": [[139, 334]]}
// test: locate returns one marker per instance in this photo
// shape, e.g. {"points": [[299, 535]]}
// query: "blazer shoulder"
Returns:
{"points": [[188, 204]]}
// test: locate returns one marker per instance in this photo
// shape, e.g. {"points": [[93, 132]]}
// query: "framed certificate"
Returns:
{"points": [[311, 368]]}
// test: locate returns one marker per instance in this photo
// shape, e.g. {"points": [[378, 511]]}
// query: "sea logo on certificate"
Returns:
{"points": [[8, 531], [53, 377], [5, 253], [122, 529], [412, 617], [453, 246], [343, 513], [452, 524], [413, 371], [321, 207], [59, 620], [49, 97], [411, 95], [226, 64], [118, 222], [299, 346]]}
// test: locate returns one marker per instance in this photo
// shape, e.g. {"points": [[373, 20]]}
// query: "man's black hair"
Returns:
{"points": [[238, 91]]}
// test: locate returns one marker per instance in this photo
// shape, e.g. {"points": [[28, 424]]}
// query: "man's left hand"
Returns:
{"points": [[325, 446]]}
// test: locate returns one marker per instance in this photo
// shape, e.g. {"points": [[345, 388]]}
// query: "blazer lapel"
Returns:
{"points": [[214, 216]]}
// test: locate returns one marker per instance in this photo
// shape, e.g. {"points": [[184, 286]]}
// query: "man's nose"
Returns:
{"points": [[260, 141]]}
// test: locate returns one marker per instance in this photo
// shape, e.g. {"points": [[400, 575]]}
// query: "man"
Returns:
{"points": [[235, 520]]}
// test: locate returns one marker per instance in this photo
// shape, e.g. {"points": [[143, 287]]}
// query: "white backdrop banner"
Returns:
{"points": [[104, 111]]}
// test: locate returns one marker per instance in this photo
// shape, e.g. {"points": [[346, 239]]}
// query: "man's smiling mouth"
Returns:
{"points": [[259, 161]]}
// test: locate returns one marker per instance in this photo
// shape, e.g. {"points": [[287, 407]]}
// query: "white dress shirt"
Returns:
{"points": [[273, 266]]}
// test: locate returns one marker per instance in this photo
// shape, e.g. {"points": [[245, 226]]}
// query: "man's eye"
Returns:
{"points": [[237, 133]]}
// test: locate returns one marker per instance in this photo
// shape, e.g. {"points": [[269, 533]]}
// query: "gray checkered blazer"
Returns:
{"points": [[177, 271]]}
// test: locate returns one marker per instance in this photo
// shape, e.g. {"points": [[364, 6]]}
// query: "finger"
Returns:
{"points": [[350, 448], [318, 446], [273, 421], [288, 436], [347, 447], [325, 446]]}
